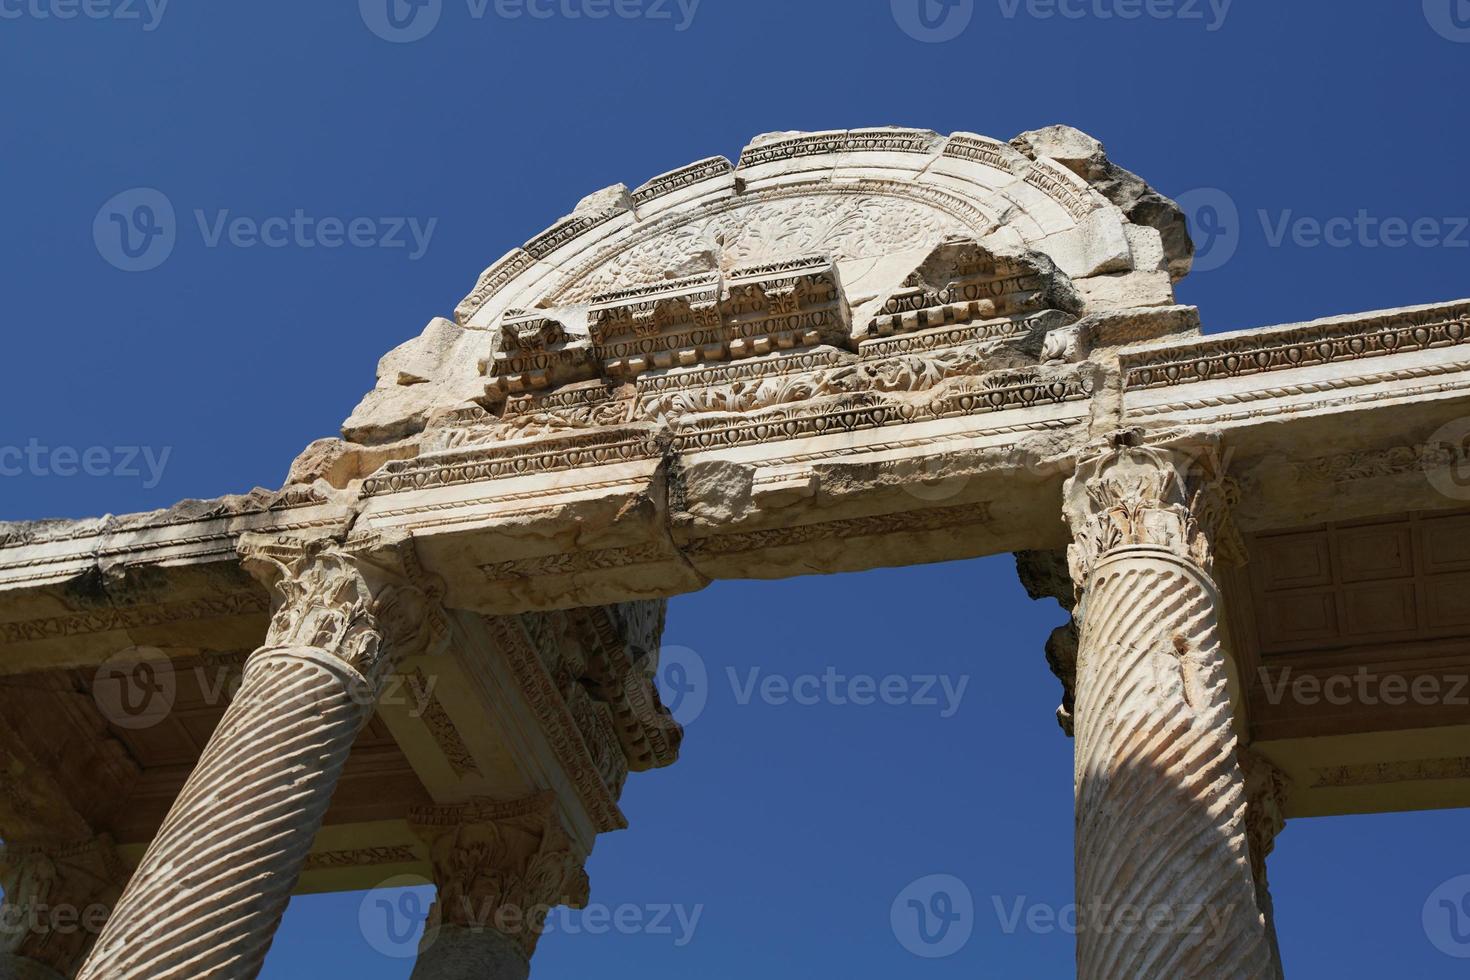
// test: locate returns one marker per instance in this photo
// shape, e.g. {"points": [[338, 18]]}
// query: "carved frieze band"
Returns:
{"points": [[444, 732], [1282, 350], [1387, 773], [140, 617], [358, 857]]}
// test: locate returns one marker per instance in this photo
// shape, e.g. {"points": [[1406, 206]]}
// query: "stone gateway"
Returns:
{"points": [[432, 651]]}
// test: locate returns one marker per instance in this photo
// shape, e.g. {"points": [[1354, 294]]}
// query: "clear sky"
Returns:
{"points": [[786, 832]]}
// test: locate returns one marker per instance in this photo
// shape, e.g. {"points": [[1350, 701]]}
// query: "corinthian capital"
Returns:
{"points": [[501, 866], [1171, 498], [369, 603]]}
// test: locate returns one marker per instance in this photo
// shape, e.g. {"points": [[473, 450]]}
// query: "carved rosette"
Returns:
{"points": [[56, 899], [209, 893], [500, 866], [1154, 725]]}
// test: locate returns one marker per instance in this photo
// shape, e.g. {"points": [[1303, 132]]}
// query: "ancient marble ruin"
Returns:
{"points": [[848, 350]]}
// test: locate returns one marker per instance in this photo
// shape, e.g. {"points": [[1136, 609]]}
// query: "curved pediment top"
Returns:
{"points": [[858, 196], [834, 225]]}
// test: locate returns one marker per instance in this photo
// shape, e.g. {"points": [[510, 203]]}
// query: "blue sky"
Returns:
{"points": [[1322, 146]]}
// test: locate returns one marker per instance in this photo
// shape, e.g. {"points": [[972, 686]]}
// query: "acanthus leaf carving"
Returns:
{"points": [[368, 603], [501, 865]]}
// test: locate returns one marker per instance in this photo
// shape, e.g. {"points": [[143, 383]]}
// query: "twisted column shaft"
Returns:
{"points": [[209, 894], [1164, 878]]}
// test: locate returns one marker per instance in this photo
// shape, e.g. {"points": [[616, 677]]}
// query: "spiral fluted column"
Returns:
{"points": [[211, 889], [1164, 874]]}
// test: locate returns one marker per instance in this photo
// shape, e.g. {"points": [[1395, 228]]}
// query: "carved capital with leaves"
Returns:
{"points": [[368, 602], [501, 866], [1172, 498]]}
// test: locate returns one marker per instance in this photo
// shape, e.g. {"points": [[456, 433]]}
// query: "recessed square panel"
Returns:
{"points": [[1447, 602], [1382, 551], [1379, 608], [1292, 561], [1446, 544], [1308, 618]]}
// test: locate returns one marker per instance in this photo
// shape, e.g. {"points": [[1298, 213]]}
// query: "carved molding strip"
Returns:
{"points": [[1274, 395], [1347, 467], [361, 856], [557, 722], [106, 620], [493, 462], [1385, 773], [677, 180], [445, 733], [1306, 346], [854, 141]]}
